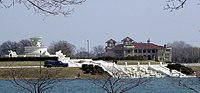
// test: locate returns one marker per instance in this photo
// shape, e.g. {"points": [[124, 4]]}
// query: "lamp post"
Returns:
{"points": [[88, 48], [77, 54], [40, 63], [198, 53]]}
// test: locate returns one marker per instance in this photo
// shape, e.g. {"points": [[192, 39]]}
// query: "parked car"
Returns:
{"points": [[54, 63]]}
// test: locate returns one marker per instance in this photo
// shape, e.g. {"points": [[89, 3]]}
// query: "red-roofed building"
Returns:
{"points": [[128, 47]]}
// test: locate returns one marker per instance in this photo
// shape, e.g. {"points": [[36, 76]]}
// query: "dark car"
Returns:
{"points": [[54, 63]]}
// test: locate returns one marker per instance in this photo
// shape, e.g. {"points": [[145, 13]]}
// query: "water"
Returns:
{"points": [[153, 85]]}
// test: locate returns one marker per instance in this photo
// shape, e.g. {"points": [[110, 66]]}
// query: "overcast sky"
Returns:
{"points": [[100, 20]]}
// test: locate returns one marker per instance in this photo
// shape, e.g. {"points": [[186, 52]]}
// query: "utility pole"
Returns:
{"points": [[198, 55], [40, 64], [77, 54], [88, 47]]}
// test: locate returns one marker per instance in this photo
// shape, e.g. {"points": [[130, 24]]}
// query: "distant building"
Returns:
{"points": [[36, 48], [129, 48]]}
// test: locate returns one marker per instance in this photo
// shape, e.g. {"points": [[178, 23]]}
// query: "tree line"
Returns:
{"points": [[67, 48], [184, 53]]}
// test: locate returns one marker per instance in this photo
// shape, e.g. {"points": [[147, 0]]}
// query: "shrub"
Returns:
{"points": [[99, 69], [179, 67], [85, 68], [105, 58], [92, 69]]}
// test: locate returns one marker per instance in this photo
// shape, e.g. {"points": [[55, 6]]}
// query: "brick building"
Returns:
{"points": [[129, 48]]}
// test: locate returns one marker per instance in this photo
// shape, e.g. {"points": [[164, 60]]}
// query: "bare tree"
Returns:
{"points": [[183, 52], [66, 48], [175, 4], [8, 45], [49, 7], [98, 50], [119, 84], [38, 83], [18, 47], [21, 44], [82, 53]]}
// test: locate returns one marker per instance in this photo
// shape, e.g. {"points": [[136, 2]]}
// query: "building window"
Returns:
{"points": [[168, 50], [135, 50], [166, 54], [144, 51], [153, 51], [127, 43], [129, 51], [140, 50], [149, 51]]}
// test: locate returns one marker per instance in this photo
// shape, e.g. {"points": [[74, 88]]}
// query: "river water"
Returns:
{"points": [[153, 85]]}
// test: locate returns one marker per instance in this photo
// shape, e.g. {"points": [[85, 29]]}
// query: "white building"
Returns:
{"points": [[36, 48]]}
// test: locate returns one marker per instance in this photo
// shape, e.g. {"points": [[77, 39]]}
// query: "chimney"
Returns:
{"points": [[165, 46], [148, 41]]}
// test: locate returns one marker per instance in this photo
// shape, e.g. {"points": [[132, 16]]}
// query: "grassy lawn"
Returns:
{"points": [[63, 73], [21, 63], [58, 71], [196, 69]]}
